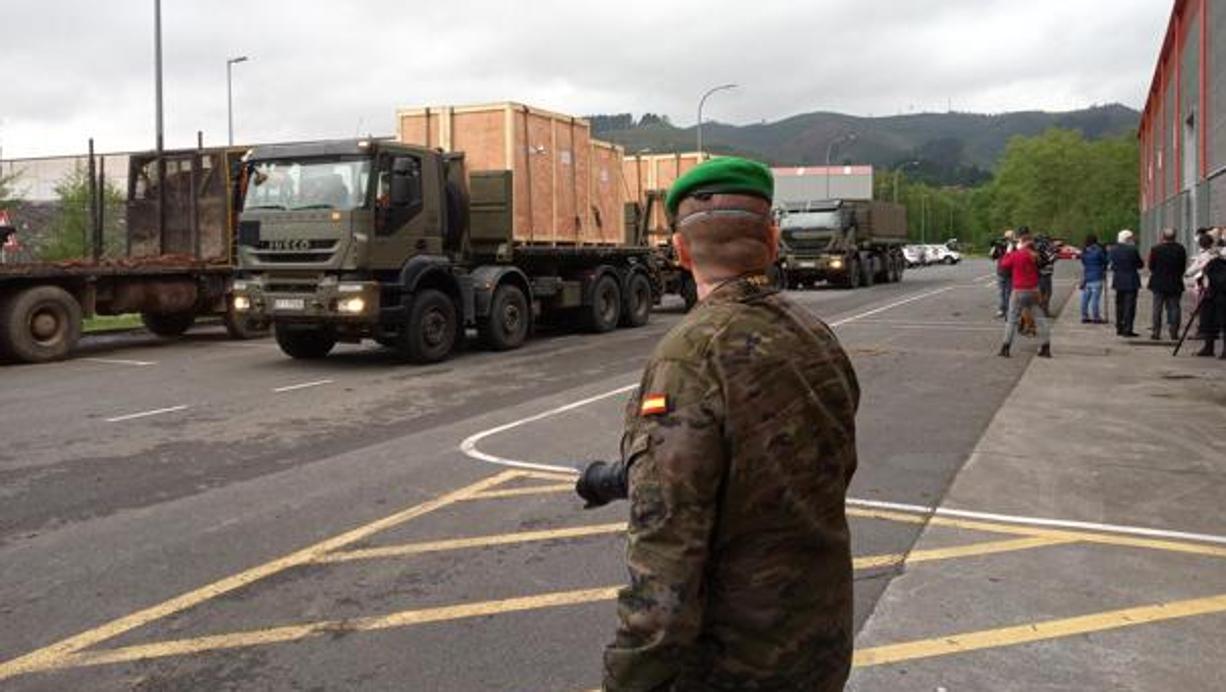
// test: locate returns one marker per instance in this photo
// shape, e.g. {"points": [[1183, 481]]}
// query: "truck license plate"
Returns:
{"points": [[289, 304], [808, 265]]}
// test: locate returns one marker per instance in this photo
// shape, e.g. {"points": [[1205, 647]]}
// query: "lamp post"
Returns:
{"points": [[849, 137], [898, 171], [230, 94], [703, 100]]}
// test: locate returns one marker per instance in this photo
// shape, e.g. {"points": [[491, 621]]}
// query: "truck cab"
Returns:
{"points": [[373, 239]]}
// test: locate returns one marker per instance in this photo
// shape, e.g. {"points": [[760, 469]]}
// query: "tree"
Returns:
{"points": [[1059, 183], [69, 236]]}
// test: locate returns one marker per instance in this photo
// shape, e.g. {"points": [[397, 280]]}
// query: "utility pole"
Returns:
{"points": [[161, 159], [849, 137], [702, 101], [230, 94], [898, 171]]}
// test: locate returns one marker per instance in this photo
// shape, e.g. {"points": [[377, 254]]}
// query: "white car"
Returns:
{"points": [[914, 255], [940, 254]]}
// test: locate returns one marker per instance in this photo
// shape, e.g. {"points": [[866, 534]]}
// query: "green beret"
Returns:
{"points": [[727, 175]]}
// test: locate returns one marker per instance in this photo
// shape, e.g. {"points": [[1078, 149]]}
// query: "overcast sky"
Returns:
{"points": [[71, 69]]}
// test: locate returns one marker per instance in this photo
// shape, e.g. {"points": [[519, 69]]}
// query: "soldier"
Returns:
{"points": [[737, 453]]}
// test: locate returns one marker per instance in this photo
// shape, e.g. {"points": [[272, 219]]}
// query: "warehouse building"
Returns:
{"points": [[1183, 127]]}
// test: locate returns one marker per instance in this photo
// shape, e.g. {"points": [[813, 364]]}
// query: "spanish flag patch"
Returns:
{"points": [[653, 404]]}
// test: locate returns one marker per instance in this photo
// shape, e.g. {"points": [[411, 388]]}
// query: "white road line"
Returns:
{"points": [[146, 414], [120, 361], [889, 306], [304, 385], [1039, 521], [469, 448], [469, 445]]}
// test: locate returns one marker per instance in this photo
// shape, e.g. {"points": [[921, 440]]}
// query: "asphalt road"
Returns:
{"points": [[144, 470]]}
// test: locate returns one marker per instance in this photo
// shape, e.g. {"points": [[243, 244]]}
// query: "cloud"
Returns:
{"points": [[77, 68]]}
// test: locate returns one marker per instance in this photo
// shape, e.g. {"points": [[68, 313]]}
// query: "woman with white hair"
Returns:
{"points": [[1126, 266]]}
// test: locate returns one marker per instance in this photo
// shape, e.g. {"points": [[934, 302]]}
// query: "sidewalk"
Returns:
{"points": [[1125, 448]]}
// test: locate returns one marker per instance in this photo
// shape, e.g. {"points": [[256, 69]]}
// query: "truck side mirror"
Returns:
{"points": [[406, 182]]}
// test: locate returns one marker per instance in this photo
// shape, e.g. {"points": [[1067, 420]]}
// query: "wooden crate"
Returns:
{"points": [[657, 172], [567, 189]]}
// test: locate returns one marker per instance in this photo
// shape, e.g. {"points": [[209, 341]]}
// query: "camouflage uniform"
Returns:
{"points": [[739, 556]]}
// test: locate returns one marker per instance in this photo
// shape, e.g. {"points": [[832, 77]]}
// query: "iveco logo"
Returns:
{"points": [[289, 244]]}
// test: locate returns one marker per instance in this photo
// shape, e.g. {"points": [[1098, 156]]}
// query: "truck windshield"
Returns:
{"points": [[291, 185], [810, 220]]}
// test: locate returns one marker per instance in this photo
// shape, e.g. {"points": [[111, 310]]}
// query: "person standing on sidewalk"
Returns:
{"points": [[1126, 266], [1093, 274], [1167, 261], [1001, 247], [1023, 267], [1212, 304]]}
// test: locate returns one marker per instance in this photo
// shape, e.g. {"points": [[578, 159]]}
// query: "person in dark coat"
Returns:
{"points": [[1167, 262], [1126, 266]]}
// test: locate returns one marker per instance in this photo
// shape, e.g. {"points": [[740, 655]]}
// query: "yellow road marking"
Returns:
{"points": [[406, 618], [1060, 534], [957, 551], [518, 492], [275, 635], [475, 542], [51, 656], [559, 477], [1038, 631]]}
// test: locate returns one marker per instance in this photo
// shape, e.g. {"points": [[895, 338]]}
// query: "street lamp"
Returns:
{"points": [[849, 137], [230, 94], [899, 170], [703, 100]]}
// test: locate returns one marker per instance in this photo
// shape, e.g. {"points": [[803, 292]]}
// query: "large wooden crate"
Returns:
{"points": [[657, 172], [567, 187]]}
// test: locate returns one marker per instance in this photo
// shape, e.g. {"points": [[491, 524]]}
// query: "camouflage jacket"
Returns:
{"points": [[741, 442]]}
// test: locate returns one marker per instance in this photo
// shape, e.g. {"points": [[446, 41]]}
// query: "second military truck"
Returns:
{"points": [[846, 243], [400, 243]]}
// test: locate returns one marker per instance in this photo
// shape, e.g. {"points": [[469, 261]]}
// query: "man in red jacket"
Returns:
{"points": [[1023, 266]]}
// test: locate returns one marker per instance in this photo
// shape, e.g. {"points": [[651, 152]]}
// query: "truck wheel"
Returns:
{"points": [[305, 343], [605, 311], [867, 276], [637, 309], [241, 327], [689, 291], [506, 327], [431, 332], [168, 325], [40, 324], [852, 278]]}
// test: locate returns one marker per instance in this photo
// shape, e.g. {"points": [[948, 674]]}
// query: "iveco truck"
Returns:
{"points": [[369, 239], [845, 243]]}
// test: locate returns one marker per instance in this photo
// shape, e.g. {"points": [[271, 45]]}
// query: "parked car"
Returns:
{"points": [[940, 254], [915, 256]]}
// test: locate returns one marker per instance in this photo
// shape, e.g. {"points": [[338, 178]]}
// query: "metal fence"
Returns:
{"points": [[53, 206]]}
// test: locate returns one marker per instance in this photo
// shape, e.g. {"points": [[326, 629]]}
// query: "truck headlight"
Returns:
{"points": [[836, 264], [351, 306], [242, 303]]}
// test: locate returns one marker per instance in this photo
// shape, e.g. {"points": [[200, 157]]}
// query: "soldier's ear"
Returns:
{"points": [[682, 245], [773, 242]]}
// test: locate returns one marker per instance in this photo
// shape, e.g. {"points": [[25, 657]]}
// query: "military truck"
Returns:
{"points": [[846, 243], [399, 243], [177, 263]]}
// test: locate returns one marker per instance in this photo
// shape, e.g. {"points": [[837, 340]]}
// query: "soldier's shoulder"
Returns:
{"points": [[692, 338]]}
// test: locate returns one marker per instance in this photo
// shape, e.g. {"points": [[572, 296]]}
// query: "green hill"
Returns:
{"points": [[953, 148]]}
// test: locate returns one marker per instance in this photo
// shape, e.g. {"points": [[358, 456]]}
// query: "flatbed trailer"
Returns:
{"points": [[179, 262]]}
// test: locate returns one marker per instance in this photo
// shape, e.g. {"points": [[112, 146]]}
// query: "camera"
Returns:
{"points": [[602, 482]]}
